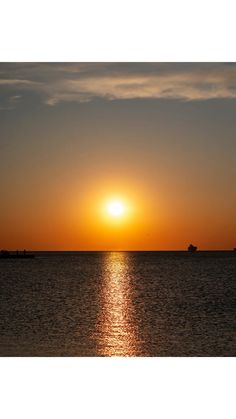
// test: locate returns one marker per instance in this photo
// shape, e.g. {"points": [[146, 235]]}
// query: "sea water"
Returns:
{"points": [[118, 304]]}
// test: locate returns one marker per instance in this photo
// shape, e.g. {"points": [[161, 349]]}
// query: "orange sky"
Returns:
{"points": [[63, 157], [68, 219]]}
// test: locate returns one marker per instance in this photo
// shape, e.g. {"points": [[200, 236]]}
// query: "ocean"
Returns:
{"points": [[118, 304]]}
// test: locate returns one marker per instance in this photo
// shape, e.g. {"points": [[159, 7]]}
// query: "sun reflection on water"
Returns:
{"points": [[116, 323]]}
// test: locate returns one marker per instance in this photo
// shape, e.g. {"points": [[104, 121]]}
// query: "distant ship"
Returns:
{"points": [[192, 248], [5, 254]]}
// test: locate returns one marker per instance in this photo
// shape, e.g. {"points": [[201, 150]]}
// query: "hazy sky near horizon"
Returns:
{"points": [[159, 137]]}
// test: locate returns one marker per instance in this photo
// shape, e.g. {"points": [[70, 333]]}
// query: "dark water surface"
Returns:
{"points": [[118, 304]]}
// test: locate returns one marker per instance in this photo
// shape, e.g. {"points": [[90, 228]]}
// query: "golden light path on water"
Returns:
{"points": [[117, 335]]}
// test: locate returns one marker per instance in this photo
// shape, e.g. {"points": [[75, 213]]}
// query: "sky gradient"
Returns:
{"points": [[160, 137]]}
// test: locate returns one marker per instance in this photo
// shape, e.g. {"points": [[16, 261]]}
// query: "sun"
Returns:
{"points": [[115, 208]]}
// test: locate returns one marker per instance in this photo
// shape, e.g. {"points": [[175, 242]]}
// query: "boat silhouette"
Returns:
{"points": [[192, 248]]}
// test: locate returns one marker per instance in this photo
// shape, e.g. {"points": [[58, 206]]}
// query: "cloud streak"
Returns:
{"points": [[84, 82]]}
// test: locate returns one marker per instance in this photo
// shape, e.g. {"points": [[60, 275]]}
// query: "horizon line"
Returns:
{"points": [[121, 250]]}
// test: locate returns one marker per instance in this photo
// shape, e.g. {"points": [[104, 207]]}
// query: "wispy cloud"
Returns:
{"points": [[15, 99], [10, 103], [17, 82], [84, 82]]}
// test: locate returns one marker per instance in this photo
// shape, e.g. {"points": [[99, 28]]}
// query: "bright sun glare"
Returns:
{"points": [[115, 208]]}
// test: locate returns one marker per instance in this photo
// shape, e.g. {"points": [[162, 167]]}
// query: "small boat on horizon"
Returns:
{"points": [[192, 248]]}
